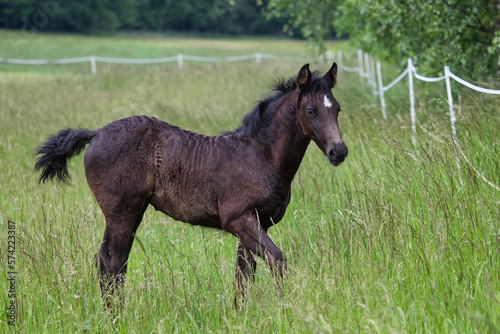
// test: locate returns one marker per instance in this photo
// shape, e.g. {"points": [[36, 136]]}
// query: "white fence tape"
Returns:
{"points": [[135, 60], [426, 79], [474, 87], [27, 61], [70, 60], [398, 79], [179, 59]]}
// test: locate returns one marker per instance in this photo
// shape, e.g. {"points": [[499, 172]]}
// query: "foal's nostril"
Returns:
{"points": [[342, 150], [332, 155]]}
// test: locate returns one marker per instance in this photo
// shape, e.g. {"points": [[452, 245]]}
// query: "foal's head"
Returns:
{"points": [[318, 111]]}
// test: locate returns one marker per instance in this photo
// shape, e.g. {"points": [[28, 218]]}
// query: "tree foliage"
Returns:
{"points": [[89, 16], [312, 17], [463, 34]]}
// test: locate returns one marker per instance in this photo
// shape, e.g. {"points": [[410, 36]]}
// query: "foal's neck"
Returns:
{"points": [[289, 143]]}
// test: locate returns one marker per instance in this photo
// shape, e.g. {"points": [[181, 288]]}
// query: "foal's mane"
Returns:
{"points": [[256, 122]]}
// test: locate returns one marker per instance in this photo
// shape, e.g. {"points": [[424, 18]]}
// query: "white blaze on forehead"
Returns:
{"points": [[327, 102]]}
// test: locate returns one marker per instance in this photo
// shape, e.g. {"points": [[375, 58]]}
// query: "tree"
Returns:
{"points": [[90, 16], [463, 34], [12, 13], [313, 18]]}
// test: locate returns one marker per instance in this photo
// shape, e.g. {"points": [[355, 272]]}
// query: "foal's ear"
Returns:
{"points": [[331, 76], [304, 78]]}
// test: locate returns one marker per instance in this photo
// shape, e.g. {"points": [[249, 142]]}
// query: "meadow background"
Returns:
{"points": [[396, 239]]}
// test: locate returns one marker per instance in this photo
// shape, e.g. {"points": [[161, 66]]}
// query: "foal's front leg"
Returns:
{"points": [[245, 266], [254, 240]]}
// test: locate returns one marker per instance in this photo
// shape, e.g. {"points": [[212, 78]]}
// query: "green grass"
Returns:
{"points": [[397, 239]]}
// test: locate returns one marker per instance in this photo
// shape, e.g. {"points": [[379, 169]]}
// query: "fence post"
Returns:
{"points": [[453, 119], [93, 68], [360, 65], [412, 102], [366, 70], [258, 57], [381, 90], [339, 59], [180, 61], [329, 56], [367, 74], [372, 78]]}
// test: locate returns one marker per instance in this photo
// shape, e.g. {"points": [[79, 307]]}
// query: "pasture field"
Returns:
{"points": [[396, 239]]}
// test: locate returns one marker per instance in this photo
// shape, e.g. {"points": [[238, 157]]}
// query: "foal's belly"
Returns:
{"points": [[188, 210]]}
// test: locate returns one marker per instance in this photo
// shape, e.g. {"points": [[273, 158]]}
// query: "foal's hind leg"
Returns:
{"points": [[121, 225]]}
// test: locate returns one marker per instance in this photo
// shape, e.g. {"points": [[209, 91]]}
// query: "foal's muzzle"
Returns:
{"points": [[337, 153]]}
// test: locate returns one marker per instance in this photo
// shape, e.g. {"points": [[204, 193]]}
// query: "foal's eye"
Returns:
{"points": [[310, 111]]}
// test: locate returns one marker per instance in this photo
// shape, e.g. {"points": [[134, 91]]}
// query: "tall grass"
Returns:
{"points": [[397, 239]]}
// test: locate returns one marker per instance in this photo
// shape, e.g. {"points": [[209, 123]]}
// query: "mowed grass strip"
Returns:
{"points": [[397, 239]]}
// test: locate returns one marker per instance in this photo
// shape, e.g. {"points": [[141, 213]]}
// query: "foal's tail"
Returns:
{"points": [[58, 149]]}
